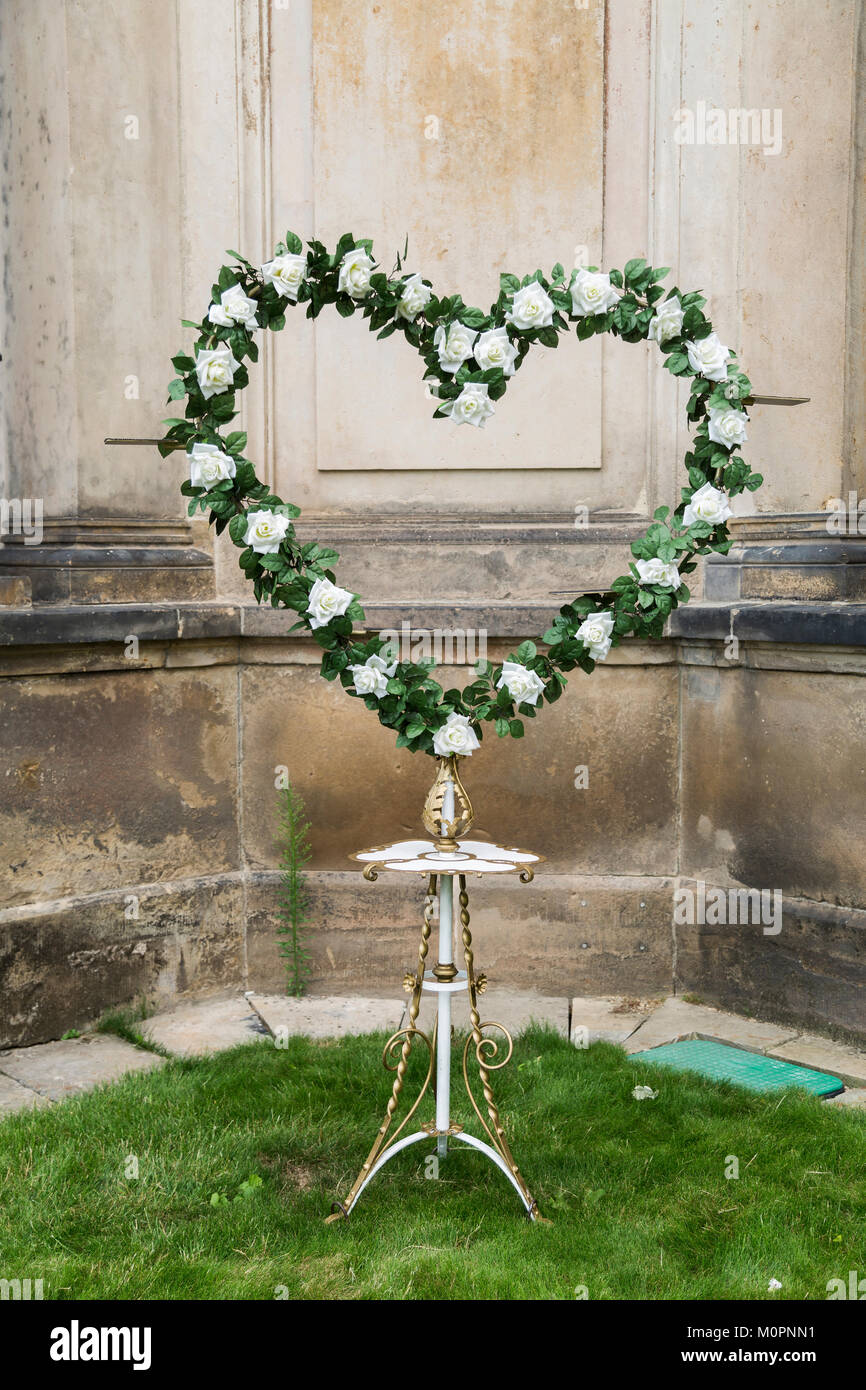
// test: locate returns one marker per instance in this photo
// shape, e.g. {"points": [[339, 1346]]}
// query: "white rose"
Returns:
{"points": [[415, 297], [472, 406], [454, 345], [667, 321], [707, 504], [455, 736], [265, 531], [356, 268], [709, 358], [524, 686], [656, 571], [495, 349], [286, 274], [327, 602], [372, 678], [727, 427], [592, 293], [215, 370], [595, 632], [532, 307], [208, 465], [234, 307]]}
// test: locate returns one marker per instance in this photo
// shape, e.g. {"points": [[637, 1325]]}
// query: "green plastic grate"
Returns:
{"points": [[720, 1062]]}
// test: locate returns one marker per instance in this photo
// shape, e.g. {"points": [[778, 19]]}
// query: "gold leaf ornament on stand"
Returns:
{"points": [[447, 832]]}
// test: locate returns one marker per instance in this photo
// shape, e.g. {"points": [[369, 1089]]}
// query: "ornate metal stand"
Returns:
{"points": [[447, 815]]}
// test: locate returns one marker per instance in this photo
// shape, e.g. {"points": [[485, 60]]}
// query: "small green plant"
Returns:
{"points": [[247, 1189], [294, 897], [123, 1023]]}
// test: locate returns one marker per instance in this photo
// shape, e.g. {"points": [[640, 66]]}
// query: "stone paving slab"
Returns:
{"points": [[610, 1019], [326, 1016], [676, 1019], [516, 1009], [14, 1096], [204, 1026], [855, 1098], [809, 1050], [65, 1068]]}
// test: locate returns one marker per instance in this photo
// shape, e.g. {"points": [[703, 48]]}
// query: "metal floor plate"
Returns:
{"points": [[721, 1062]]}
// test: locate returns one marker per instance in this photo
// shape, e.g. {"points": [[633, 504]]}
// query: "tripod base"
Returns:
{"points": [[341, 1210], [444, 980]]}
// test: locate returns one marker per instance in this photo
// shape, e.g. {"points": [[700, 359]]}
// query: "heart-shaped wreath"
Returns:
{"points": [[471, 356]]}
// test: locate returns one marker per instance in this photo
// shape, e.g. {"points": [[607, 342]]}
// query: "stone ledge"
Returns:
{"points": [[774, 621], [92, 623], [460, 529], [813, 569], [838, 624]]}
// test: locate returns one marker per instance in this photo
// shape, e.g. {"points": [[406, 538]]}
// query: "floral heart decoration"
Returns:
{"points": [[471, 356]]}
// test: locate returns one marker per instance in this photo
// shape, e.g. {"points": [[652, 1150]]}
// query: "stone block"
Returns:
{"points": [[856, 1098], [205, 1026], [330, 1016], [60, 1069], [516, 1009], [14, 591], [560, 935], [816, 569], [607, 1020], [676, 1019], [14, 1096], [623, 730], [773, 790], [809, 1050], [812, 974], [138, 766], [62, 966]]}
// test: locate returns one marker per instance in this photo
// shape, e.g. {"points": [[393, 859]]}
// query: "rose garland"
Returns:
{"points": [[471, 356]]}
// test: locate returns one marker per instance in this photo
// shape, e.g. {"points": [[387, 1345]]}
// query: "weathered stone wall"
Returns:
{"points": [[138, 817], [137, 795]]}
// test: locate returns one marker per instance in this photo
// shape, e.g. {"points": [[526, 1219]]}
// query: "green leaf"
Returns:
{"points": [[237, 528]]}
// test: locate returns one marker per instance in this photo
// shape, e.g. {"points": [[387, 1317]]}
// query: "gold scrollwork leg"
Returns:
{"points": [[485, 1050], [408, 1036]]}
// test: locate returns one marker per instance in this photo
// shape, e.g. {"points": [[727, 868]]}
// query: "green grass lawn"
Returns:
{"points": [[636, 1190]]}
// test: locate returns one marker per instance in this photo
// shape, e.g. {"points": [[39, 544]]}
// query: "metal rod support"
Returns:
{"points": [[748, 400]]}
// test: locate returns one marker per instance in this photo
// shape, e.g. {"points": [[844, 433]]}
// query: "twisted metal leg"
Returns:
{"points": [[485, 1050], [377, 1155]]}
